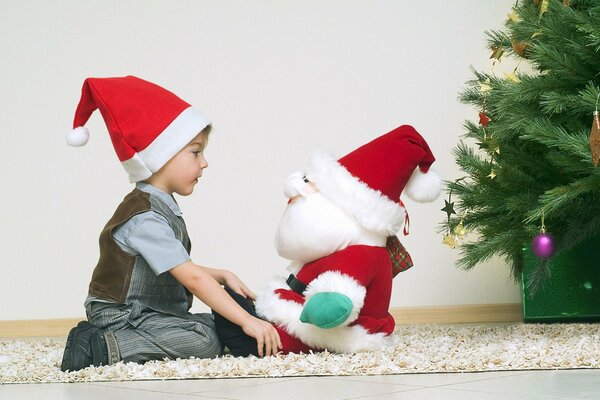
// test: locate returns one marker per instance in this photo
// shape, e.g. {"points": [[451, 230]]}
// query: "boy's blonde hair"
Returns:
{"points": [[206, 133]]}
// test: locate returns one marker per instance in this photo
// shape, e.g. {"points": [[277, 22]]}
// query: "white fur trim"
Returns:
{"points": [[341, 339], [136, 169], [424, 187], [370, 207], [78, 137], [334, 281], [175, 137]]}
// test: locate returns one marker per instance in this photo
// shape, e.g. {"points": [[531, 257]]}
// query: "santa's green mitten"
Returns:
{"points": [[326, 310]]}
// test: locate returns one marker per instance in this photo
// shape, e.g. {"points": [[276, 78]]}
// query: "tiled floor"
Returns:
{"points": [[525, 385]]}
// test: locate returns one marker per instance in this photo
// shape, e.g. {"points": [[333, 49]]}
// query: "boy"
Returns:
{"points": [[142, 288]]}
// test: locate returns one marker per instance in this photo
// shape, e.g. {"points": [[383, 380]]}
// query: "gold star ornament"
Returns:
{"points": [[497, 52], [511, 76], [485, 86], [449, 240]]}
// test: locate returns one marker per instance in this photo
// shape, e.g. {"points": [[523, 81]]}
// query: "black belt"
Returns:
{"points": [[295, 284]]}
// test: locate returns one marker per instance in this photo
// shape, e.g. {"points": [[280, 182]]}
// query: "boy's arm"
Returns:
{"points": [[206, 288], [229, 279]]}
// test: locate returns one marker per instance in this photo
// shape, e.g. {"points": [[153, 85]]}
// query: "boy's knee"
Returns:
{"points": [[200, 342], [208, 346]]}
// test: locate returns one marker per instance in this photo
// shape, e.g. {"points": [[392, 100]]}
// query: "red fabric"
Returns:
{"points": [[135, 111], [290, 295], [387, 163], [371, 267], [376, 325], [290, 344]]}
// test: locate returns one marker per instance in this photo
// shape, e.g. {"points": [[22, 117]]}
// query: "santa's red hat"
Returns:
{"points": [[147, 124], [367, 183]]}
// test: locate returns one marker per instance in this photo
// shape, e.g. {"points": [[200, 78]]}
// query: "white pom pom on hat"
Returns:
{"points": [[424, 187], [78, 137]]}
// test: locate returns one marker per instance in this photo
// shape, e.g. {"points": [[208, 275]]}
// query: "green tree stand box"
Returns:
{"points": [[572, 293]]}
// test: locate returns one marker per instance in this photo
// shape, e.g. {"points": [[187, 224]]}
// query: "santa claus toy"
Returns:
{"points": [[337, 230]]}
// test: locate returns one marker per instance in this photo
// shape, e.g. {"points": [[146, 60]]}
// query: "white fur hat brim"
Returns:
{"points": [[371, 208]]}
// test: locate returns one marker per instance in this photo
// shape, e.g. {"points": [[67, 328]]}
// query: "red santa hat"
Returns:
{"points": [[147, 124], [367, 183]]}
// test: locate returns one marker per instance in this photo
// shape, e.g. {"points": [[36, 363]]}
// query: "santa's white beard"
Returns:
{"points": [[312, 227]]}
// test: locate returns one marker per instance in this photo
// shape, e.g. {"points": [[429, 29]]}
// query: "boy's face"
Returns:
{"points": [[180, 174]]}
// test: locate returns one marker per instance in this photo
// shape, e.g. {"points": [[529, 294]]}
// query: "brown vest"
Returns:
{"points": [[112, 275], [125, 279]]}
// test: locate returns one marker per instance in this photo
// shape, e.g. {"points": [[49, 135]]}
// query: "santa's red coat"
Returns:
{"points": [[361, 272]]}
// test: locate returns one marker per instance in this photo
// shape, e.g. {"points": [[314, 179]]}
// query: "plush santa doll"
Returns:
{"points": [[336, 230]]}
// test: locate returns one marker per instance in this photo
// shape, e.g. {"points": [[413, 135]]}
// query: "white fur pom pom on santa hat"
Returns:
{"points": [[147, 124], [367, 183]]}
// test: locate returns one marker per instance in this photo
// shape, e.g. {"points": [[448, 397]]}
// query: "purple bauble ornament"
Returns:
{"points": [[543, 245]]}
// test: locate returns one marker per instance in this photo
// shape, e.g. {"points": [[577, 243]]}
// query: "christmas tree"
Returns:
{"points": [[538, 140]]}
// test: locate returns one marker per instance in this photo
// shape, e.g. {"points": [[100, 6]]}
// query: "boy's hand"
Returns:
{"points": [[265, 334], [234, 283]]}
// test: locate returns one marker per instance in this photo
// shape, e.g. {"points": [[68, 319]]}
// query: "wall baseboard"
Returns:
{"points": [[38, 327], [479, 313], [475, 313]]}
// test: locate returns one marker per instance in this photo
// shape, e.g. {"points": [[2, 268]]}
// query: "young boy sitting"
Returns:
{"points": [[143, 285]]}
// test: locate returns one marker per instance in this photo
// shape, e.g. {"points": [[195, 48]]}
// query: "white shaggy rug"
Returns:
{"points": [[420, 349]]}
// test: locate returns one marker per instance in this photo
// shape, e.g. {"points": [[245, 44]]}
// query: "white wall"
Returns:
{"points": [[278, 79]]}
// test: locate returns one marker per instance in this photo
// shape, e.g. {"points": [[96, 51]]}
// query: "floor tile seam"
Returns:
{"points": [[367, 396], [543, 396], [377, 383], [106, 385], [194, 393], [412, 388], [431, 386], [202, 396], [170, 395], [161, 392], [245, 385], [482, 379]]}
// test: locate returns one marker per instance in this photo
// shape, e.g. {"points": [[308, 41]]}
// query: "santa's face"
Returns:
{"points": [[311, 226]]}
